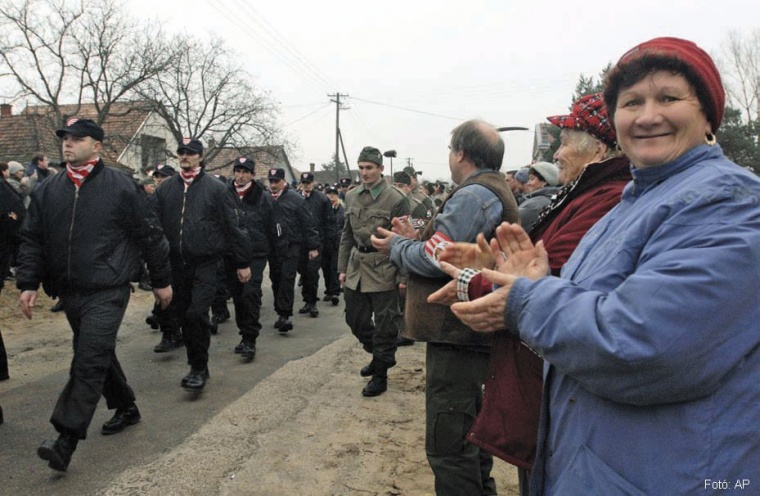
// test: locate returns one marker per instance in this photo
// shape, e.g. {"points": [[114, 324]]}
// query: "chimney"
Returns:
{"points": [[311, 167], [6, 110]]}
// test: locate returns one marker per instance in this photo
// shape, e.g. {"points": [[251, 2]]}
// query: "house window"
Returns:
{"points": [[153, 151]]}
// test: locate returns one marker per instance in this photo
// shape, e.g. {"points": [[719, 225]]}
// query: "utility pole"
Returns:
{"points": [[337, 96]]}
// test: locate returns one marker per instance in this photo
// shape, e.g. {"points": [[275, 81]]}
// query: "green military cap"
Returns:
{"points": [[370, 154]]}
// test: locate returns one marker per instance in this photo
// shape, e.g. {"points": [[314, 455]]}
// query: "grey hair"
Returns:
{"points": [[586, 143]]}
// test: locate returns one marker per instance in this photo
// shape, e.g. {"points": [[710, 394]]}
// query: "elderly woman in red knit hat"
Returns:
{"points": [[650, 333]]}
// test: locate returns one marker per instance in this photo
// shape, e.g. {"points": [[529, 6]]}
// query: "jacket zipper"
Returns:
{"points": [[71, 230], [182, 222]]}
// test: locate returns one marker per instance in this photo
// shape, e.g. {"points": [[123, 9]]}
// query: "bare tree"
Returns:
{"points": [[740, 66], [204, 94], [67, 52]]}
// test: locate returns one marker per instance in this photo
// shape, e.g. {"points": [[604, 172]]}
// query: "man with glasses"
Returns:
{"points": [[202, 223], [297, 230]]}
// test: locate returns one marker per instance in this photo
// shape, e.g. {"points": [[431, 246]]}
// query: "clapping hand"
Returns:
{"points": [[469, 255]]}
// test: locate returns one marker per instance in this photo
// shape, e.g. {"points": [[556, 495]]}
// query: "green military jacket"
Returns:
{"points": [[421, 215], [366, 269]]}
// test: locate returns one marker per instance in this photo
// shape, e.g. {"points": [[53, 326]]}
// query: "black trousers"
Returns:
{"points": [[309, 270], [3, 358], [95, 318], [330, 266], [219, 304], [453, 398], [194, 288], [247, 298], [377, 335], [283, 266]]}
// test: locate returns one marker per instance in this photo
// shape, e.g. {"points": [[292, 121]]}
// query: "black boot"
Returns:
{"points": [[314, 311], [167, 343], [58, 453], [152, 321], [368, 369], [222, 314], [379, 382], [306, 308], [246, 348], [195, 380], [123, 418]]}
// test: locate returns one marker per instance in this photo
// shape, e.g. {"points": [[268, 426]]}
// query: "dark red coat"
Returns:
{"points": [[507, 424]]}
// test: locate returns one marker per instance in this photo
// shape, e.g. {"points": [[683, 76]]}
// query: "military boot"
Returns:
{"points": [[58, 453], [368, 369], [379, 382]]}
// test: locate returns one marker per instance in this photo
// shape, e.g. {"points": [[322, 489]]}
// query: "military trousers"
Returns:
{"points": [[194, 288], [309, 270], [453, 398], [95, 318], [375, 320], [283, 267], [330, 266], [246, 297]]}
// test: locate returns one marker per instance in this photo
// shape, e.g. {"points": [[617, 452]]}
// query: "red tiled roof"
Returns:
{"points": [[33, 130]]}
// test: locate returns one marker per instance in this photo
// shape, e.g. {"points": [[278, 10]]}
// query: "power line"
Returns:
{"points": [[285, 47], [307, 115], [297, 66], [407, 109]]}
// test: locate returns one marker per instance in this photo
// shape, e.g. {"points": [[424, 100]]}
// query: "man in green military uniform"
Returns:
{"points": [[369, 279], [417, 193], [420, 213]]}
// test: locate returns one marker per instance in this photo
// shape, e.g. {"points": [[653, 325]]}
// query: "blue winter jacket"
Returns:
{"points": [[652, 339]]}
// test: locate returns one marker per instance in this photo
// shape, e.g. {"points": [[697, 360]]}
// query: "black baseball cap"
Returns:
{"points": [[276, 174], [192, 145], [80, 128], [245, 163], [164, 170], [307, 177]]}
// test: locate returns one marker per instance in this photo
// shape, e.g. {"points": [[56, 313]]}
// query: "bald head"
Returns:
{"points": [[480, 143]]}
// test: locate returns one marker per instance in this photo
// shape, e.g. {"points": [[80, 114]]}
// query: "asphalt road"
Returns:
{"points": [[169, 413]]}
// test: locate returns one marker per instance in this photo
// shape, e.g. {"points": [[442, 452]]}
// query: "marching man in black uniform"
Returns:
{"points": [[82, 240], [202, 223], [257, 209], [322, 212], [296, 230]]}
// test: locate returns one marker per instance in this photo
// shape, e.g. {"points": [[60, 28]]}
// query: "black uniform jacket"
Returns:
{"points": [[258, 221], [90, 238], [203, 221], [295, 224]]}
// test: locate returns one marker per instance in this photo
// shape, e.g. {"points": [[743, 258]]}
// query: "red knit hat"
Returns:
{"points": [[588, 114], [697, 59]]}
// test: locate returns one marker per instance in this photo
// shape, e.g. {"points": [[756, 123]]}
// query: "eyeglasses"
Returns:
{"points": [[187, 153]]}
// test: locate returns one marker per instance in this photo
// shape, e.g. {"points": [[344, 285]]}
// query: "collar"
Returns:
{"points": [[374, 189], [645, 177]]}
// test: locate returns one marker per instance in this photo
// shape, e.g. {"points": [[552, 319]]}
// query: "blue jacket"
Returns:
{"points": [[652, 339]]}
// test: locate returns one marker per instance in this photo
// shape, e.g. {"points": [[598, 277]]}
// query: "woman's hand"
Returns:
{"points": [[447, 295], [516, 254], [486, 314]]}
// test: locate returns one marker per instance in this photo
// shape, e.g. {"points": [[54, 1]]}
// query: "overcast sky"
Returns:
{"points": [[415, 69]]}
